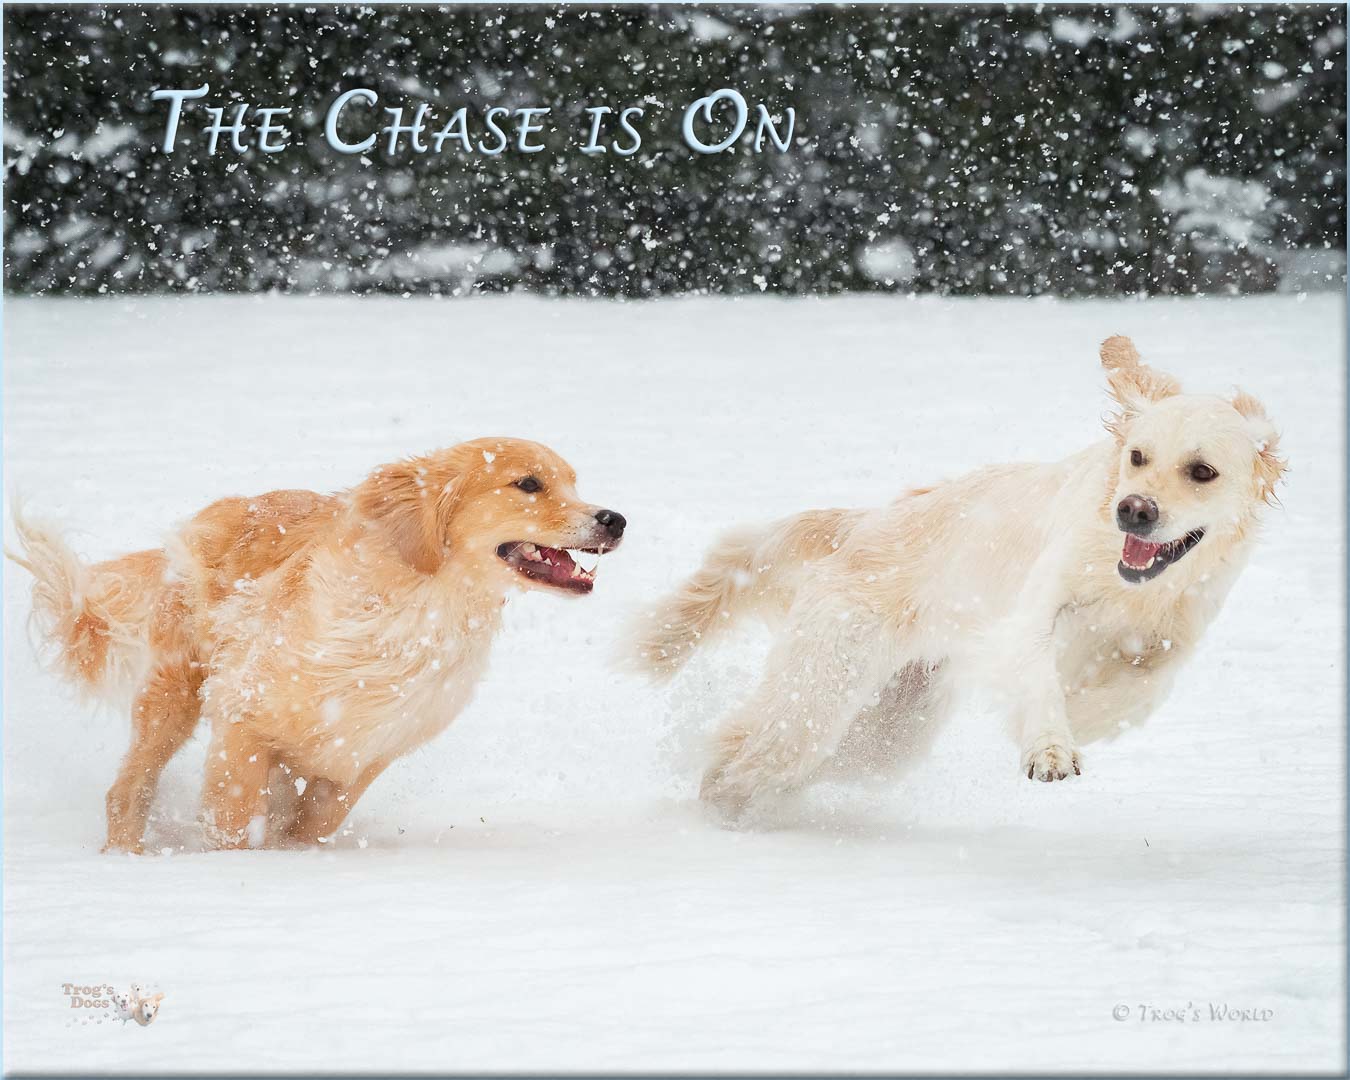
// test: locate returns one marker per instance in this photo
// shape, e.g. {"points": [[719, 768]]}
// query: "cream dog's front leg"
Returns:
{"points": [[1121, 693], [1048, 750], [1030, 674]]}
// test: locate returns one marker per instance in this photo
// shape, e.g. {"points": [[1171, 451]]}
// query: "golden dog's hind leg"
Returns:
{"points": [[235, 794], [324, 806], [163, 717]]}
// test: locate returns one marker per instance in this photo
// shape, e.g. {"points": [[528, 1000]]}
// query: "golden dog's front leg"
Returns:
{"points": [[234, 797], [324, 806]]}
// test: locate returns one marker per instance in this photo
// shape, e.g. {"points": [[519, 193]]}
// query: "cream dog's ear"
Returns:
{"points": [[410, 502], [1134, 384], [1270, 467]]}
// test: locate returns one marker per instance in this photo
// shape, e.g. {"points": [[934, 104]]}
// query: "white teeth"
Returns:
{"points": [[586, 560], [583, 564]]}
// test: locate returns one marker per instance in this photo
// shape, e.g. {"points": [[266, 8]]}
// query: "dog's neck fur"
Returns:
{"points": [[461, 587]]}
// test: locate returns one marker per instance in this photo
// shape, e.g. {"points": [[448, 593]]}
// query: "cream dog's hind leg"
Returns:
{"points": [[894, 731], [825, 666]]}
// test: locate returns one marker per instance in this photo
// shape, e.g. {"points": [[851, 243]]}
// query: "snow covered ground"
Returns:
{"points": [[537, 890]]}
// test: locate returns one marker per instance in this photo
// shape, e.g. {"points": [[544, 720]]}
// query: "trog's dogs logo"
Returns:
{"points": [[106, 1002]]}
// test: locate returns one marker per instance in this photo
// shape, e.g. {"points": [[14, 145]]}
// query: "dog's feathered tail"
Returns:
{"points": [[749, 571], [92, 623]]}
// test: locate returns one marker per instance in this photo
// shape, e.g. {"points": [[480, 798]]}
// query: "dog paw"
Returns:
{"points": [[726, 803], [1052, 762], [121, 847]]}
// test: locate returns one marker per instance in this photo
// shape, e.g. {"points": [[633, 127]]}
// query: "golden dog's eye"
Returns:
{"points": [[529, 485], [1137, 458], [1202, 473]]}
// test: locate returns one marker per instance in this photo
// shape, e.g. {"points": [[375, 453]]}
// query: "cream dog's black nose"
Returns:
{"points": [[613, 521], [1137, 513]]}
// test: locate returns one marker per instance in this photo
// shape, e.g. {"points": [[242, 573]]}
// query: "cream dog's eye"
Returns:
{"points": [[1137, 458], [529, 485], [1202, 473]]}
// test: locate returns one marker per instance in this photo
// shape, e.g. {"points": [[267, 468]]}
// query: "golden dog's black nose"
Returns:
{"points": [[613, 521], [1137, 513]]}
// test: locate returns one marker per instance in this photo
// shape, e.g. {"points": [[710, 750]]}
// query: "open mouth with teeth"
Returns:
{"points": [[570, 569], [1141, 560]]}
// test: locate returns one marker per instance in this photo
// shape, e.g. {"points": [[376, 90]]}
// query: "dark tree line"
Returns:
{"points": [[979, 149]]}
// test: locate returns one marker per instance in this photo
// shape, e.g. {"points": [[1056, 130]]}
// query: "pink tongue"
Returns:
{"points": [[560, 566], [1137, 551]]}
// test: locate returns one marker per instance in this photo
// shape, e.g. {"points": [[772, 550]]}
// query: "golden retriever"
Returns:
{"points": [[321, 636], [1075, 590]]}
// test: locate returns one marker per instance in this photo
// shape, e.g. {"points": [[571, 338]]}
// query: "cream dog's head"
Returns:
{"points": [[507, 510], [1192, 470]]}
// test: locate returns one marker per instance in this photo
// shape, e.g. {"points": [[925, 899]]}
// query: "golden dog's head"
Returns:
{"points": [[1192, 470], [506, 510]]}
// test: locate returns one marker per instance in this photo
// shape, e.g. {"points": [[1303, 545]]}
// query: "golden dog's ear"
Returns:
{"points": [[1134, 384], [410, 502], [1270, 467]]}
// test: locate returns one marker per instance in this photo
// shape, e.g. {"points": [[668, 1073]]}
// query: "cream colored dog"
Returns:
{"points": [[1075, 589]]}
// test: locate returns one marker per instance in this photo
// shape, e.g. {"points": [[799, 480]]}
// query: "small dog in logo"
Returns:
{"points": [[148, 1009], [123, 1006], [136, 1004]]}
